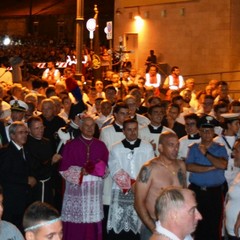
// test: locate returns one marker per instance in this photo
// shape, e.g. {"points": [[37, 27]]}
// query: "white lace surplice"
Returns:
{"points": [[83, 203], [122, 215]]}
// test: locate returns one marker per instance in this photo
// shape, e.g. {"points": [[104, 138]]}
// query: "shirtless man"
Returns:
{"points": [[155, 175]]}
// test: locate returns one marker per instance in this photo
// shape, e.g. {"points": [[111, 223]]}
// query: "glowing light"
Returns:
{"points": [[6, 41], [139, 23], [106, 30], [91, 24], [137, 18]]}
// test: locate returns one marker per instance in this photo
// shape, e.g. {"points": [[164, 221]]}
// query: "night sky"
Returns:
{"points": [[51, 7]]}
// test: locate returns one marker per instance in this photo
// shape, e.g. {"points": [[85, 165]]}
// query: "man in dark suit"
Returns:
{"points": [[15, 175], [3, 136]]}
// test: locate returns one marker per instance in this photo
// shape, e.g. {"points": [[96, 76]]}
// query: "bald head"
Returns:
{"points": [[164, 137]]}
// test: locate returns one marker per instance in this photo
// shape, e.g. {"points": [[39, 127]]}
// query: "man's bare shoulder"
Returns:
{"points": [[182, 164], [147, 169]]}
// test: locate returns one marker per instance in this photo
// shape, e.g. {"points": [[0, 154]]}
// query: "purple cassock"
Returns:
{"points": [[83, 166]]}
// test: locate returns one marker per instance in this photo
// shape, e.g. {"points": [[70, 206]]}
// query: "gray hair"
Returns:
{"points": [[84, 119], [13, 127], [169, 199], [48, 101]]}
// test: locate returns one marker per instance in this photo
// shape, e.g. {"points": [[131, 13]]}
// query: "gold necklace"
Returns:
{"points": [[171, 171]]}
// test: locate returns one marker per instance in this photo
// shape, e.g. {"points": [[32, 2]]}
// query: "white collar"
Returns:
{"points": [[131, 142], [86, 137], [17, 146], [160, 229]]}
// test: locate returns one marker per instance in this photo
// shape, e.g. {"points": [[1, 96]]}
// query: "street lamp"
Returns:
{"points": [[91, 26], [79, 37]]}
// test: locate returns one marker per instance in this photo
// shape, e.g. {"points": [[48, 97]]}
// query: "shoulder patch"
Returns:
{"points": [[219, 144], [192, 144]]}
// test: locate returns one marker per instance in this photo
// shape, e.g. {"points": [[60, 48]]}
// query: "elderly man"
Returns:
{"points": [[125, 161], [51, 122], [83, 167], [177, 214], [206, 162], [16, 176], [162, 171], [106, 109]]}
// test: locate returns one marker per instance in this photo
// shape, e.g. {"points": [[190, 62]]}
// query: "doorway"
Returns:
{"points": [[131, 43]]}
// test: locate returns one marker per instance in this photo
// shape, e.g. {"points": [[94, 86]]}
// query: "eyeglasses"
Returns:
{"points": [[21, 132], [191, 124]]}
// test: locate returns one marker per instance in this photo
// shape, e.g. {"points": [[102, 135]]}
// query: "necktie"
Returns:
{"points": [[22, 153]]}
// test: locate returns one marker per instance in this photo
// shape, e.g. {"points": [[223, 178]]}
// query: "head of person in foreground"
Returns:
{"points": [[42, 221], [176, 211]]}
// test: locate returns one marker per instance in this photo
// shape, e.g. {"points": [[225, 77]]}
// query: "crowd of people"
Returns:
{"points": [[128, 156]]}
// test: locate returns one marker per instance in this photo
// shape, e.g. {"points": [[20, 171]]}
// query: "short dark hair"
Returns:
{"points": [[235, 103], [193, 116], [37, 83], [174, 68], [33, 119], [132, 86], [179, 97], [151, 108], [50, 90], [129, 120], [224, 83], [118, 106], [174, 105], [99, 99], [110, 87], [217, 106], [38, 212], [150, 99]]}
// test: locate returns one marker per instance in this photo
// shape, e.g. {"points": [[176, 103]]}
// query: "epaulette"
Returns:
{"points": [[192, 144], [219, 144]]}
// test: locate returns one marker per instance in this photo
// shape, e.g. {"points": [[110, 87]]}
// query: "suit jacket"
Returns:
{"points": [[3, 133], [14, 172]]}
